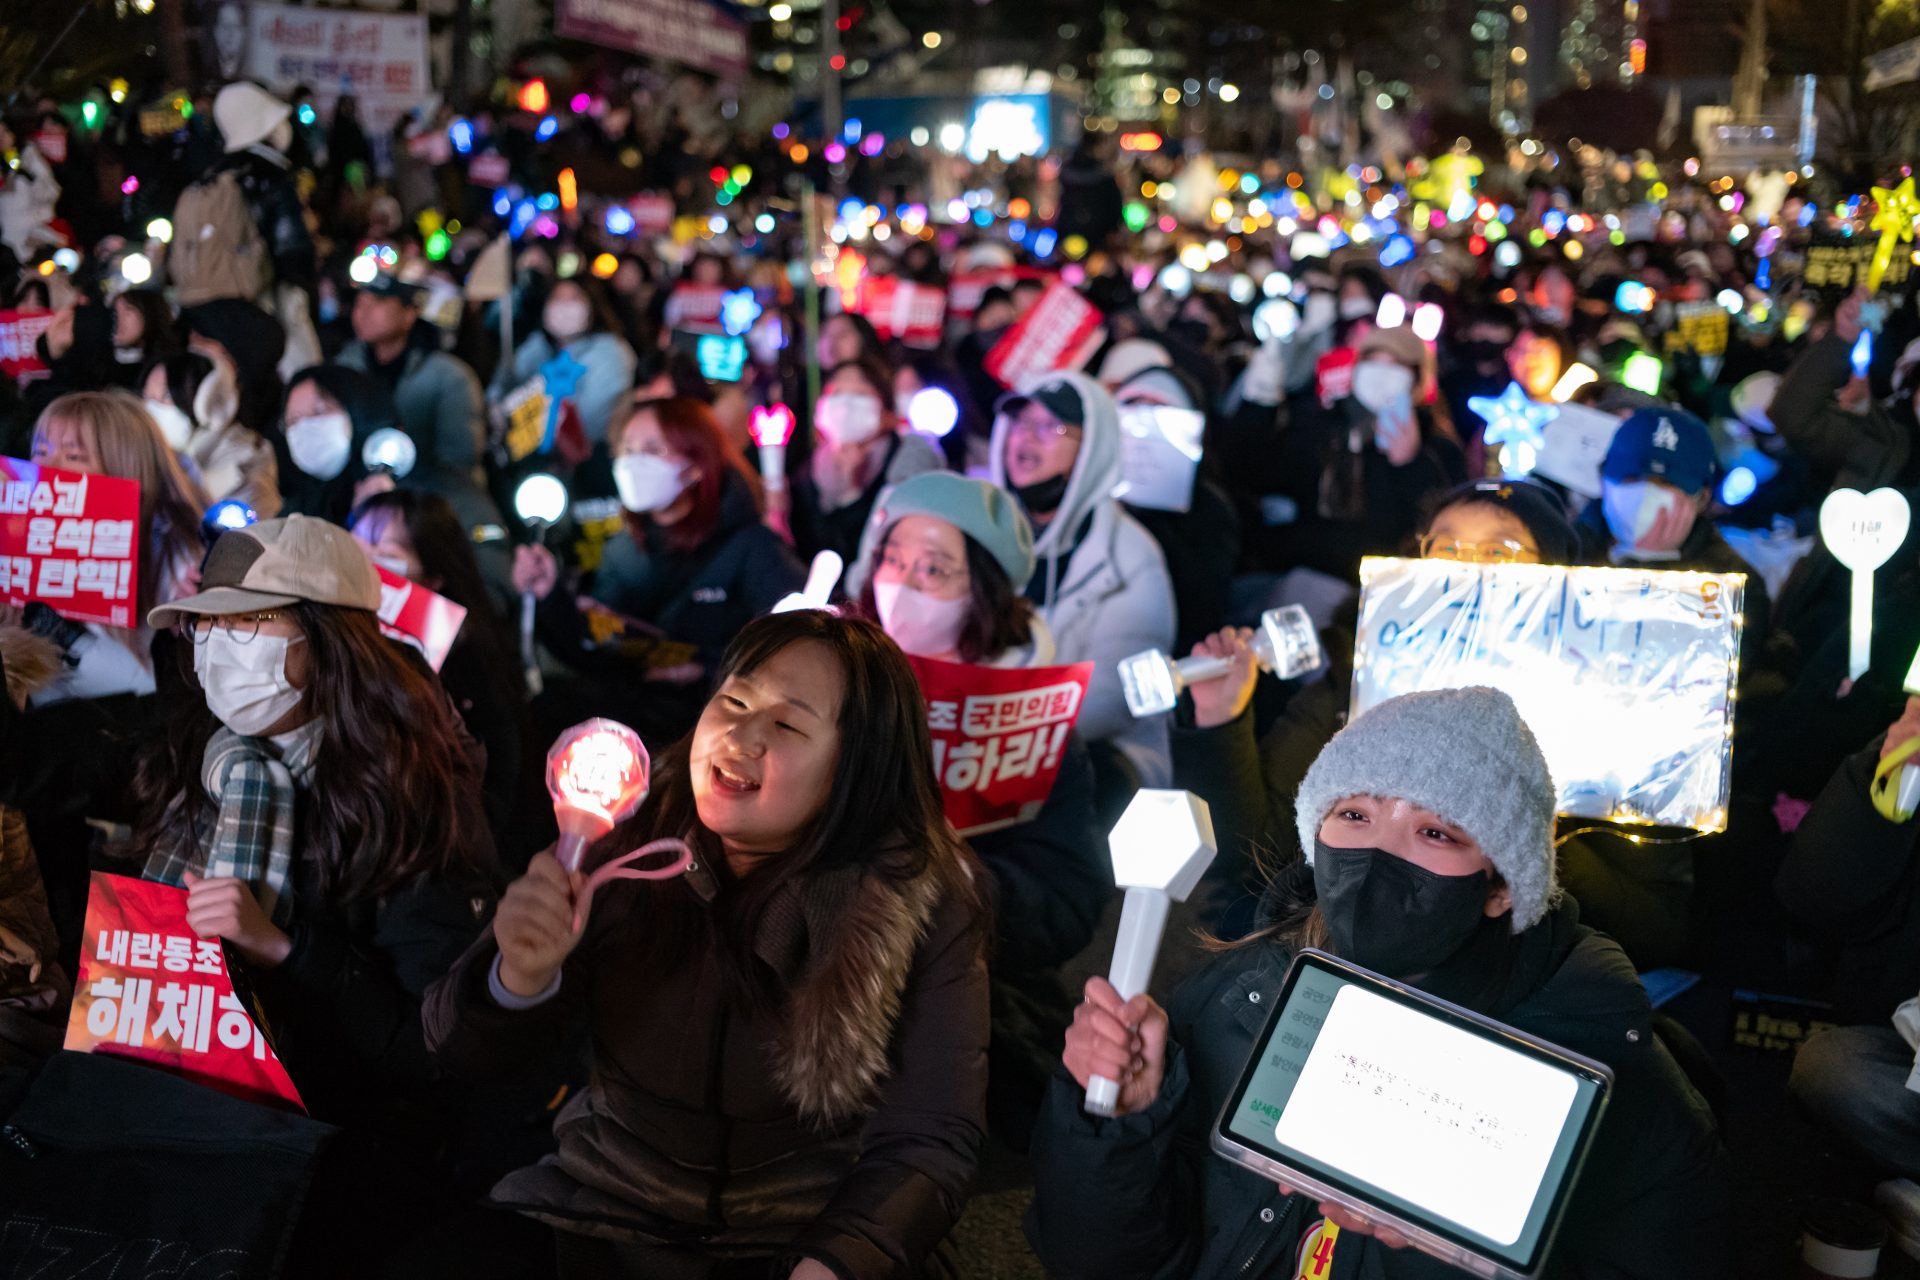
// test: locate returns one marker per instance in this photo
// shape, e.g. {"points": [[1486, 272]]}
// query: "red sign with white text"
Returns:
{"points": [[1061, 332], [410, 612], [1334, 375], [695, 307], [913, 313], [999, 735], [70, 541], [150, 988], [19, 344]]}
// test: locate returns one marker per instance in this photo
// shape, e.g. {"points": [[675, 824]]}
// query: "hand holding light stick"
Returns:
{"points": [[1862, 531], [771, 427], [598, 773], [1161, 847], [1861, 357], [1286, 645], [541, 502]]}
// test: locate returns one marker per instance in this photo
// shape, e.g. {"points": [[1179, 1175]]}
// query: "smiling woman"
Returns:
{"points": [[819, 972]]}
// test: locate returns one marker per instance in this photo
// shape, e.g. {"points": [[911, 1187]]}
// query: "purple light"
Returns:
{"points": [[131, 185], [872, 143], [780, 131], [580, 104], [835, 153]]}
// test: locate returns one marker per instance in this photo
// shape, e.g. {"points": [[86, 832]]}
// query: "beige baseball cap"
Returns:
{"points": [[277, 563]]}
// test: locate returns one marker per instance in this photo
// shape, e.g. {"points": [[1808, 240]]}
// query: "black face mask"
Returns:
{"points": [[1386, 914], [1043, 497]]}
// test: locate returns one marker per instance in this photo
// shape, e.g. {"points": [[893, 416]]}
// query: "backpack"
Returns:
{"points": [[217, 251]]}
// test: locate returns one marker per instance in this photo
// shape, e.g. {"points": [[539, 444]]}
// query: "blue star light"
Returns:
{"points": [[738, 311], [1516, 424]]}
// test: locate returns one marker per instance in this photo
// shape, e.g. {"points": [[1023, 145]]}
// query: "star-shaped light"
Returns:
{"points": [[1516, 424], [738, 311], [1898, 208]]}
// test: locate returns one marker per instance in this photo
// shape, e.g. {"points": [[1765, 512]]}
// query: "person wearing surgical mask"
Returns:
{"points": [[695, 566], [327, 417], [942, 567], [194, 400], [1424, 833], [859, 448], [320, 805], [579, 352]]}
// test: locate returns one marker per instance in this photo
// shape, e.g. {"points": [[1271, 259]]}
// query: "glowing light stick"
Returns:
{"points": [[540, 501], [1392, 313], [1863, 530], [1161, 847], [1576, 377], [1894, 221], [1427, 319], [598, 773], [1861, 357], [1643, 372], [933, 412], [822, 576], [390, 450], [1286, 645], [1516, 424], [771, 427]]}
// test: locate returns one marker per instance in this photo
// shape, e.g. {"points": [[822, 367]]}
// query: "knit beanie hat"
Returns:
{"points": [[982, 511], [1464, 755], [1543, 514]]}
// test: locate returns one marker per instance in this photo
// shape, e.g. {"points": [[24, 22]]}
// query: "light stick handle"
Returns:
{"points": [[529, 660], [1201, 670], [773, 465], [1860, 636], [1143, 919], [1907, 794]]}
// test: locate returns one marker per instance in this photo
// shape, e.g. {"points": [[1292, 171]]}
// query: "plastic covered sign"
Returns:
{"points": [[1159, 455], [1625, 676]]}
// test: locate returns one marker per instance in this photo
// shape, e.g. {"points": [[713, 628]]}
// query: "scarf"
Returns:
{"points": [[255, 783]]}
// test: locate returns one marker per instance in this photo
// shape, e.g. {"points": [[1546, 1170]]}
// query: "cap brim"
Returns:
{"points": [[220, 600]]}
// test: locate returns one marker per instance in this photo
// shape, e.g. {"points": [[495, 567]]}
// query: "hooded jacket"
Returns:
{"points": [[368, 406], [843, 1125], [1142, 1195], [1102, 584]]}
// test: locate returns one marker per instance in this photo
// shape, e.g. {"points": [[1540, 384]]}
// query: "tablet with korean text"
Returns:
{"points": [[1465, 1135]]}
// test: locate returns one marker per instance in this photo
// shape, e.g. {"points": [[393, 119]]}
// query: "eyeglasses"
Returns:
{"points": [[1502, 552], [1043, 431], [929, 571], [241, 628]]}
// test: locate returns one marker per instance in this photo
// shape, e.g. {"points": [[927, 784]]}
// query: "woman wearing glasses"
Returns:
{"points": [[1250, 784], [941, 569], [322, 809]]}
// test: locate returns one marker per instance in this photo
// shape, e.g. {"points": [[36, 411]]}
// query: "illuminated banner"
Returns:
{"points": [[381, 59], [1625, 676], [696, 33]]}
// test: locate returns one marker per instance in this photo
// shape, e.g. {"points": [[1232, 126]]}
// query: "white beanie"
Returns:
{"points": [[1130, 356], [246, 114]]}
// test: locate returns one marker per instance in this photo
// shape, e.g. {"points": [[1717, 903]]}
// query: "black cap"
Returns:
{"points": [[1056, 395]]}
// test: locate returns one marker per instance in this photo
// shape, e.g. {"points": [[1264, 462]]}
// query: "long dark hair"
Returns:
{"points": [[395, 795], [882, 812], [694, 433], [998, 618]]}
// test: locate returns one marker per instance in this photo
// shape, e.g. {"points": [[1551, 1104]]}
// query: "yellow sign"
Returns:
{"points": [[1316, 1251]]}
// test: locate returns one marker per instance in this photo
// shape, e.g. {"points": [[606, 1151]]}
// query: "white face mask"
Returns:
{"points": [[1318, 313], [174, 424], [246, 684], [321, 445], [646, 483], [1632, 508], [920, 624], [848, 419], [1381, 384], [1357, 308], [567, 318]]}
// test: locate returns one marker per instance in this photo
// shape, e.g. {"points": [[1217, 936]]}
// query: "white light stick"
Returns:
{"points": [[822, 576], [1863, 530], [1392, 313], [1286, 645], [1161, 847], [540, 501]]}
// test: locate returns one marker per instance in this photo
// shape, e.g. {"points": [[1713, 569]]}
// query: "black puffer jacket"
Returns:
{"points": [[1142, 1196]]}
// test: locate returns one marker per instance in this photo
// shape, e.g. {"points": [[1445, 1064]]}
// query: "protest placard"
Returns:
{"points": [[71, 541], [19, 344], [999, 735], [151, 988], [1573, 445], [695, 308], [1625, 676], [427, 621], [380, 59], [1159, 455], [913, 313], [1062, 331]]}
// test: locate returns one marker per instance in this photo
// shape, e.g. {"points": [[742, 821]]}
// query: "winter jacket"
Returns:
{"points": [[1851, 450], [609, 363], [234, 461], [701, 597], [1853, 877], [34, 991], [843, 1125], [1101, 584], [1142, 1195], [1202, 549], [817, 528], [266, 179]]}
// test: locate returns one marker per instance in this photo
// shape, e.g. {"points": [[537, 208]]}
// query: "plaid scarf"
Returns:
{"points": [[254, 781]]}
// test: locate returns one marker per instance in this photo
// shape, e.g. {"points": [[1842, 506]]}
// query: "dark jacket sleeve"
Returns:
{"points": [[474, 1038], [1861, 447], [921, 1146], [1846, 863], [1052, 874]]}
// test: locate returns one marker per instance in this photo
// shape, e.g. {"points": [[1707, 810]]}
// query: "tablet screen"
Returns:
{"points": [[1456, 1127]]}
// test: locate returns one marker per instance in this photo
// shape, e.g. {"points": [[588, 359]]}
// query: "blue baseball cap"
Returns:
{"points": [[1661, 444]]}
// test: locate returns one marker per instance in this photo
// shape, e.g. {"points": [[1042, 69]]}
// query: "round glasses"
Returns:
{"points": [[240, 628]]}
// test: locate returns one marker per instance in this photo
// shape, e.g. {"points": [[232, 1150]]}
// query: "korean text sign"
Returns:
{"points": [[410, 612], [19, 343], [379, 58], [999, 736], [913, 313], [1625, 676], [1062, 331], [71, 541], [152, 989]]}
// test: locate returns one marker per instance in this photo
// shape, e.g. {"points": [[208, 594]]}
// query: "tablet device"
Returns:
{"points": [[1464, 1135]]}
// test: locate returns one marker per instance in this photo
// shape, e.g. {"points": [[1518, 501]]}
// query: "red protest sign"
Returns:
{"points": [[695, 307], [913, 313], [71, 541], [998, 736], [152, 989], [967, 288], [410, 612], [19, 344], [1334, 374], [489, 169], [1061, 332], [652, 212]]}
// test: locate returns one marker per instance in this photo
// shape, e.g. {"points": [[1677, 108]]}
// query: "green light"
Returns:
{"points": [[1536, 237], [89, 113], [730, 188], [1495, 232], [1137, 216], [1643, 372], [437, 246], [723, 198]]}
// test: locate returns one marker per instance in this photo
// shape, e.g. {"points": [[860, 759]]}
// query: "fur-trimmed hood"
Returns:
{"points": [[31, 661]]}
